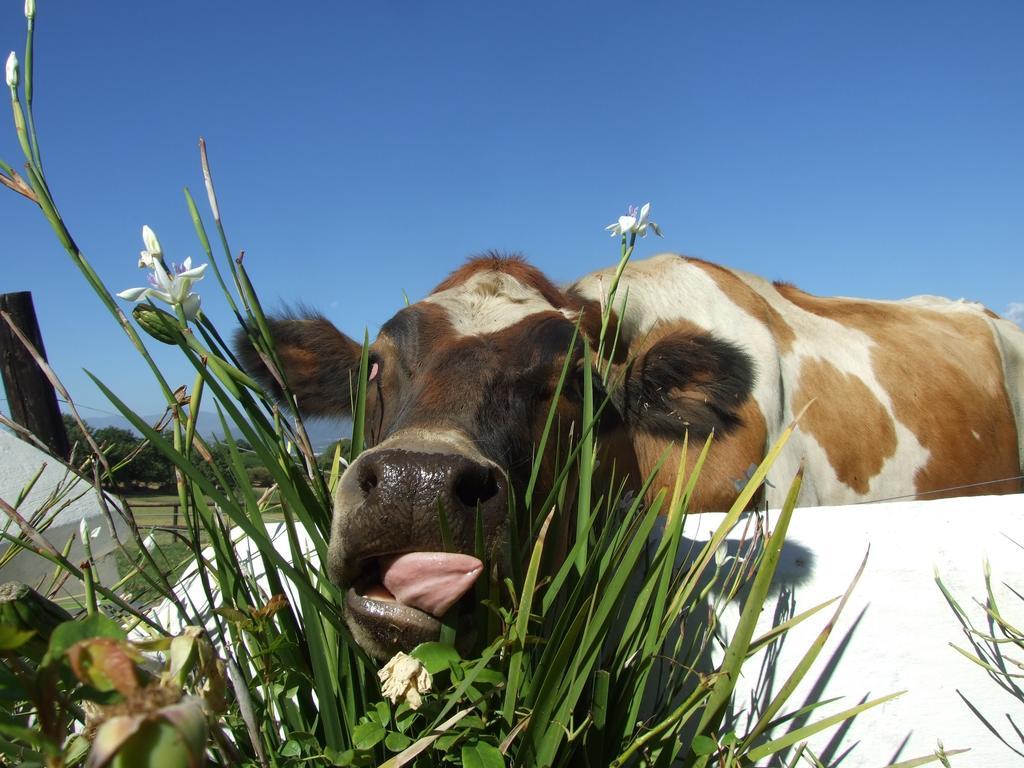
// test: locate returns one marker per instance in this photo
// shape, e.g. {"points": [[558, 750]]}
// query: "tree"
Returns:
{"points": [[134, 462], [326, 457], [74, 434]]}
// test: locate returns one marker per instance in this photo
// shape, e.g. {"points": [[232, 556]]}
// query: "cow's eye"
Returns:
{"points": [[574, 385], [572, 388]]}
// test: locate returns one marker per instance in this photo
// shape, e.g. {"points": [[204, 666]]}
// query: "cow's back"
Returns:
{"points": [[920, 397]]}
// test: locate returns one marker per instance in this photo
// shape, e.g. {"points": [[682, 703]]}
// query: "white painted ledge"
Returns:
{"points": [[895, 632], [19, 463]]}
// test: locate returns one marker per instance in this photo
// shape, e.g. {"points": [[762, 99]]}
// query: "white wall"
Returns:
{"points": [[19, 463], [895, 632]]}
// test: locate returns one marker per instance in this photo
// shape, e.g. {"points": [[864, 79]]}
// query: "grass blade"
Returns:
{"points": [[791, 738]]}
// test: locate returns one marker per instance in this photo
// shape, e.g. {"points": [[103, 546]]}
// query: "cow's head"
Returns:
{"points": [[459, 387]]}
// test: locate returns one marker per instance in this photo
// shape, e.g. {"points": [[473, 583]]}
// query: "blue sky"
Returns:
{"points": [[363, 149]]}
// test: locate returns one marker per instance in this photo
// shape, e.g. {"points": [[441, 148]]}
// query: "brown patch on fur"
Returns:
{"points": [[747, 299], [944, 375], [727, 463], [616, 453], [858, 439], [513, 266]]}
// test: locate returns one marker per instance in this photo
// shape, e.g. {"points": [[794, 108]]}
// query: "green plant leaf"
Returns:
{"points": [[12, 638], [340, 757], [105, 664], [368, 735], [801, 734], [396, 742], [436, 657], [480, 754], [522, 621], [70, 632], [599, 705], [703, 745], [926, 759]]}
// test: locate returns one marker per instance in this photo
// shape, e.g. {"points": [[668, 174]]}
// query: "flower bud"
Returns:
{"points": [[152, 244], [30, 9], [161, 325], [12, 70]]}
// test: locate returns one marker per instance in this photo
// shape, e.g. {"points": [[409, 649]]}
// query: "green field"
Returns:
{"points": [[158, 515], [158, 509], [155, 509], [171, 555]]}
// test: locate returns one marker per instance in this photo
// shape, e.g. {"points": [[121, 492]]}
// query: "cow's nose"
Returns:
{"points": [[396, 478], [388, 502]]}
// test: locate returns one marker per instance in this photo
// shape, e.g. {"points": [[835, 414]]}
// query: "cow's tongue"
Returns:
{"points": [[430, 581]]}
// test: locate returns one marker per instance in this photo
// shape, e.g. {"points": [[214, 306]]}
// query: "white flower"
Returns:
{"points": [[85, 533], [30, 8], [12, 70], [634, 222], [153, 250], [150, 241], [404, 678], [722, 554], [169, 287]]}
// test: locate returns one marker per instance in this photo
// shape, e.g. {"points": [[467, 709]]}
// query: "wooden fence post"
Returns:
{"points": [[30, 396]]}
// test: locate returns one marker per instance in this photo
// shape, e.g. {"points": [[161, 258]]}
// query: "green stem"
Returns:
{"points": [[33, 141], [606, 310], [19, 125], [197, 222], [193, 411], [211, 195], [90, 589]]}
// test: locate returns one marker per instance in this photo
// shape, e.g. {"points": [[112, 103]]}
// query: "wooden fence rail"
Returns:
{"points": [[30, 395], [174, 506]]}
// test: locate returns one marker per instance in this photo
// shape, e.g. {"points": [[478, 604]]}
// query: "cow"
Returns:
{"points": [[919, 398]]}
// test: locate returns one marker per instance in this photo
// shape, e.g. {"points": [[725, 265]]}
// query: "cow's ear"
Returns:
{"points": [[318, 362], [687, 380]]}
